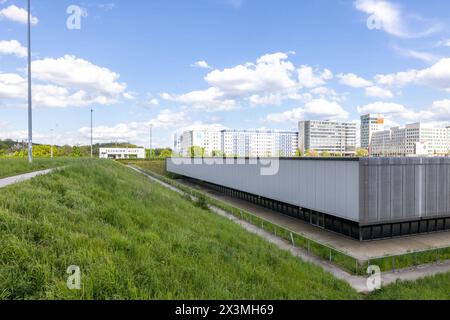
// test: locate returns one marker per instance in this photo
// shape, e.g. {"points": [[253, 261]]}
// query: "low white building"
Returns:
{"points": [[122, 153], [417, 139]]}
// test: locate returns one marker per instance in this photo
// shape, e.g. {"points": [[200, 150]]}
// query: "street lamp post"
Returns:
{"points": [[30, 116]]}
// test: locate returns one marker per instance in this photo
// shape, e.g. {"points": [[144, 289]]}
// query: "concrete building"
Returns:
{"points": [[122, 153], [415, 139], [210, 140], [370, 123], [328, 136], [367, 198], [259, 143], [241, 143]]}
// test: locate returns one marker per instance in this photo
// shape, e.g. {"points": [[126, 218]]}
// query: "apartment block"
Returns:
{"points": [[329, 136]]}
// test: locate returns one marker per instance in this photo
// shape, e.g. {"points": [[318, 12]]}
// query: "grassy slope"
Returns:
{"points": [[437, 287], [11, 167], [430, 288], [134, 239]]}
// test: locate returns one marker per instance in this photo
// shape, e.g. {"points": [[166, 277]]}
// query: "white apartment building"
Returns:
{"points": [[329, 136], [417, 139], [210, 140], [259, 143], [370, 123], [241, 143], [122, 153]]}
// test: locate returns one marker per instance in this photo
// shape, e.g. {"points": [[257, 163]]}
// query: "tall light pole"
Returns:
{"points": [[30, 115], [92, 111]]}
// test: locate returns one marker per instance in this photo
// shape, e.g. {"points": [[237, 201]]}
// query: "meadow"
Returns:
{"points": [[134, 239]]}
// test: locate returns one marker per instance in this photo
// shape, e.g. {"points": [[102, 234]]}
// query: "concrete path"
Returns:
{"points": [[358, 283], [22, 177], [363, 251]]}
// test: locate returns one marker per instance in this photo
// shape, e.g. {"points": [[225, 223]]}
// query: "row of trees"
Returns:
{"points": [[196, 151], [12, 149]]}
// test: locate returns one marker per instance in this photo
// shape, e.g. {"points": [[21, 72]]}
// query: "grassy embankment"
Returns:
{"points": [[134, 239], [437, 287], [14, 166]]}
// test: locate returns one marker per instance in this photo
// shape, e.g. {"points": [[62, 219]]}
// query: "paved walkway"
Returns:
{"points": [[360, 250], [359, 283], [22, 177]]}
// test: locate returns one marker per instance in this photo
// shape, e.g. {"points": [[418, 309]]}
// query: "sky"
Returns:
{"points": [[238, 64]]}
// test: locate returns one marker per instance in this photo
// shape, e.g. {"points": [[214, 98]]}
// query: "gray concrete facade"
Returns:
{"points": [[367, 191]]}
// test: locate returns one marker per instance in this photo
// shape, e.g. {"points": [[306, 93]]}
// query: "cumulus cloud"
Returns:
{"points": [[268, 81], [390, 18], [17, 14], [436, 76], [352, 80], [377, 92], [201, 64], [315, 109], [13, 47], [65, 82], [211, 99]]}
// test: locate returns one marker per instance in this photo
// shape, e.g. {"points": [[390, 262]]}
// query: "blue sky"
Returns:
{"points": [[179, 64]]}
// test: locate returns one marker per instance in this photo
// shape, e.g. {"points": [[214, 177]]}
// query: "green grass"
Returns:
{"points": [[437, 287], [15, 166], [429, 288], [134, 239]]}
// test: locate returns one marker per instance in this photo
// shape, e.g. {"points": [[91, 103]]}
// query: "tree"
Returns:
{"points": [[76, 152], [311, 153], [338, 154], [196, 151], [165, 153], [298, 153], [361, 152], [218, 154], [325, 154]]}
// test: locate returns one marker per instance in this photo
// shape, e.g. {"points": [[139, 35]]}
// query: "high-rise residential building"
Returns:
{"points": [[327, 136], [259, 143], [370, 123], [241, 143], [417, 139], [209, 140]]}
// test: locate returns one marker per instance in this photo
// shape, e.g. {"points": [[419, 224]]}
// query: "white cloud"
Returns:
{"points": [[211, 100], [444, 43], [13, 47], [426, 57], [352, 80], [389, 17], [382, 107], [377, 92], [129, 95], [78, 73], [107, 6], [152, 103], [436, 76], [309, 78], [271, 73], [317, 109], [201, 64], [12, 86], [17, 14], [65, 82]]}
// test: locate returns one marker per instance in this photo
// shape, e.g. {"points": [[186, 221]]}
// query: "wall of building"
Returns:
{"points": [[329, 186], [404, 189]]}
